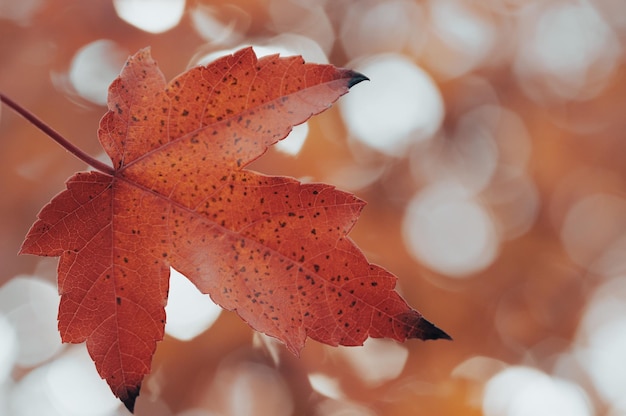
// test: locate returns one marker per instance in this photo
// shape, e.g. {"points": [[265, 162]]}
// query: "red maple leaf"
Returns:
{"points": [[269, 248]]}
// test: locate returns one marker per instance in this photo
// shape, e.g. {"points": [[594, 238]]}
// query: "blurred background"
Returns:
{"points": [[487, 145]]}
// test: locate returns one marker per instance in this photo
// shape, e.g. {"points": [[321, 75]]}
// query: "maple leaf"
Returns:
{"points": [[270, 248]]}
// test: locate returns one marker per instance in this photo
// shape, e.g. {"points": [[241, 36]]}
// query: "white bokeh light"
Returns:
{"points": [[515, 199], [377, 361], [67, 386], [217, 29], [447, 230], [248, 388], [605, 362], [381, 27], [9, 348], [31, 397], [602, 342], [285, 45], [94, 67], [570, 46], [74, 385], [154, 16], [31, 305], [478, 368], [470, 156], [352, 177], [189, 312], [21, 11], [292, 144], [326, 385], [525, 391], [305, 18], [469, 37], [401, 106], [5, 393], [593, 233]]}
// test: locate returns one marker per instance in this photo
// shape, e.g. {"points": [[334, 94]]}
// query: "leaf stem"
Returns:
{"points": [[57, 137]]}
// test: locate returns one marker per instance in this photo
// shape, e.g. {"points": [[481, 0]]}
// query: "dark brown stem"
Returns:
{"points": [[54, 135]]}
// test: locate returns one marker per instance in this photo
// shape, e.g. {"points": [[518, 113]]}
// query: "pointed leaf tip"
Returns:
{"points": [[131, 397], [414, 325], [356, 78], [430, 331]]}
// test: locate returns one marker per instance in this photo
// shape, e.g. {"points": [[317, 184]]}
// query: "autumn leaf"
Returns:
{"points": [[270, 248]]}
